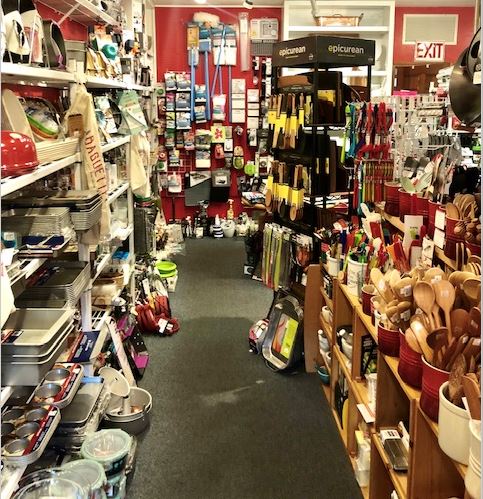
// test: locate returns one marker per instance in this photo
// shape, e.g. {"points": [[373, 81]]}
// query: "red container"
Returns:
{"points": [[392, 208], [449, 229], [407, 203], [367, 292], [410, 366], [431, 229], [474, 248], [432, 207], [422, 208], [392, 191], [450, 247], [433, 378], [388, 341]]}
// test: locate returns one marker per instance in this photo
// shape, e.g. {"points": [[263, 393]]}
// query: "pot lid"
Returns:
{"points": [[115, 381]]}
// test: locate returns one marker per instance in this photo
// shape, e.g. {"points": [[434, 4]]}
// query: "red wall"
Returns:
{"points": [[172, 55], [404, 54]]}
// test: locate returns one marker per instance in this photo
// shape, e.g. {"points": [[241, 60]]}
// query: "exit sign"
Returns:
{"points": [[429, 51]]}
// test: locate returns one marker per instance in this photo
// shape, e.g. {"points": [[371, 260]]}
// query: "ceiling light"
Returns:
{"points": [[200, 1], [248, 4]]}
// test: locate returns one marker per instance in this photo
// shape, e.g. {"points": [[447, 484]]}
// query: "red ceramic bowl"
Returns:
{"points": [[19, 154], [410, 366], [388, 341], [432, 379]]}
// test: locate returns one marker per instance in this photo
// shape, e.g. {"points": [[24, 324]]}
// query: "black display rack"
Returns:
{"points": [[319, 53]]}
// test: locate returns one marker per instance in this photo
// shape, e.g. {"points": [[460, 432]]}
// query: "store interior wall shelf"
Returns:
{"points": [[81, 11], [116, 142], [338, 29], [21, 74], [13, 184], [117, 192], [96, 82]]}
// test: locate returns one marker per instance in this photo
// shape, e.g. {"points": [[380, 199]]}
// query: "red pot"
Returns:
{"points": [[392, 191], [388, 341], [422, 208], [407, 203], [410, 366], [367, 292], [432, 379], [449, 229]]}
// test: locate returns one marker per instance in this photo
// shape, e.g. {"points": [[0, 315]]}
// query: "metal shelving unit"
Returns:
{"points": [[81, 11]]}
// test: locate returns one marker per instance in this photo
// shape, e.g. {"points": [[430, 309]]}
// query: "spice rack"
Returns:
{"points": [[431, 474]]}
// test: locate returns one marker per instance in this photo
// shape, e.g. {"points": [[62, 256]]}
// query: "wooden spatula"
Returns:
{"points": [[455, 382], [473, 395], [445, 295]]}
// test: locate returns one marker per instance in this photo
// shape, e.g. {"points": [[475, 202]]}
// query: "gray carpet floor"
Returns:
{"points": [[223, 424]]}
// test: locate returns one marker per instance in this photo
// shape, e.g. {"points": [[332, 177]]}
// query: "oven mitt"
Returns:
{"points": [[54, 42]]}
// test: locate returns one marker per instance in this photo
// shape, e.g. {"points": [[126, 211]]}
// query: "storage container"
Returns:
{"points": [[432, 380]]}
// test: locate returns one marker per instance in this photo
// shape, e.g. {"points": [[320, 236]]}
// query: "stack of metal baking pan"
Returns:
{"points": [[32, 340], [45, 221], [82, 416], [63, 279], [85, 206]]}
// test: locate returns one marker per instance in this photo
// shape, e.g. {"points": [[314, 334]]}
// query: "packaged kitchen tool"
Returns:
{"points": [[26, 432]]}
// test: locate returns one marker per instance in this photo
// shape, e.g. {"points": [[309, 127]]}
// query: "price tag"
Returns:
{"points": [[162, 324], [145, 284]]}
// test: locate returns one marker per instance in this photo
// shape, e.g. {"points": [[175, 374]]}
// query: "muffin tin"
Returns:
{"points": [[26, 432], [59, 385]]}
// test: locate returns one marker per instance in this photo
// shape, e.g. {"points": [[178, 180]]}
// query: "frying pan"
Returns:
{"points": [[465, 98], [473, 57]]}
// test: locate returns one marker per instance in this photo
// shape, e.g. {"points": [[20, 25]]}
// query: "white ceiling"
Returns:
{"points": [[238, 3]]}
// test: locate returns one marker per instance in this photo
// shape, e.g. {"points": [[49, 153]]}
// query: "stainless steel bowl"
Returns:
{"points": [[27, 429], [17, 446], [37, 414], [12, 415], [57, 375], [7, 428], [48, 390]]}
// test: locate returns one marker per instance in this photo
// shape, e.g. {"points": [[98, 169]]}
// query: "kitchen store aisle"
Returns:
{"points": [[223, 424]]}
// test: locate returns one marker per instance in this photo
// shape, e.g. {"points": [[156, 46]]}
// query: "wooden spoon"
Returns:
{"points": [[421, 335], [434, 274], [392, 314], [445, 295], [438, 340], [455, 384], [472, 348], [474, 323], [424, 297], [412, 341], [404, 309], [473, 395], [457, 278], [404, 288], [452, 211], [381, 285], [462, 342], [448, 353], [471, 289], [459, 322]]}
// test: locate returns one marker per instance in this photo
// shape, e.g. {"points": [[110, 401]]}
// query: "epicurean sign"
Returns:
{"points": [[292, 51], [345, 49]]}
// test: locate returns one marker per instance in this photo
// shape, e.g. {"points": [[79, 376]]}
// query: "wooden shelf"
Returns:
{"points": [[342, 432], [343, 361], [326, 391], [327, 328], [411, 393], [353, 300], [367, 322], [398, 478], [328, 301], [364, 490], [461, 468]]}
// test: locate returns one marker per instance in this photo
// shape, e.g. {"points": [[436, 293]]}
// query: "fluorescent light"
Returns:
{"points": [[200, 1]]}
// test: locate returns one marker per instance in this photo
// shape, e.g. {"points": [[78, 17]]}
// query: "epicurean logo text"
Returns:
{"points": [[292, 51], [345, 49]]}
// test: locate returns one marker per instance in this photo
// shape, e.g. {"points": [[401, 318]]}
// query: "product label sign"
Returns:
{"points": [[327, 50], [429, 51]]}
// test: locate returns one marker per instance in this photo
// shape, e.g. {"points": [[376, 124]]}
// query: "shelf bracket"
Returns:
{"points": [[67, 14]]}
